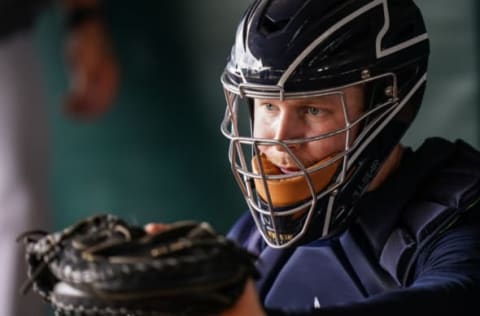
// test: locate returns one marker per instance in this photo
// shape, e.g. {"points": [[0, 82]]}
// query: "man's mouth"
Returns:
{"points": [[288, 170], [294, 188]]}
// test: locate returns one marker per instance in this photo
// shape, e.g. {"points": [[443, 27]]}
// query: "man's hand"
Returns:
{"points": [[93, 70]]}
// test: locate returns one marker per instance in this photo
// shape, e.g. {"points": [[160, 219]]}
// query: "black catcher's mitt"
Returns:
{"points": [[104, 266]]}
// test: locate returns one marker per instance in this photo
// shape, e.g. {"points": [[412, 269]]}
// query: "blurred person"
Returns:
{"points": [[24, 141]]}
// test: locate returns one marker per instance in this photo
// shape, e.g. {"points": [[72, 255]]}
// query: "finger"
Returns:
{"points": [[155, 228]]}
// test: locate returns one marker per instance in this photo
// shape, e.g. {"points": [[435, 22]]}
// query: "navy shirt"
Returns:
{"points": [[376, 267]]}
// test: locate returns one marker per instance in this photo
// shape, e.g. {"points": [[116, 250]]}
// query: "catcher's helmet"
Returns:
{"points": [[305, 48]]}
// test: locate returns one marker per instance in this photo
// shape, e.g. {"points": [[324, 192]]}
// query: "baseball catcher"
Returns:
{"points": [[104, 266]]}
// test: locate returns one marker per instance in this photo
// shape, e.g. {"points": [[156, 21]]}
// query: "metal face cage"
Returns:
{"points": [[284, 225]]}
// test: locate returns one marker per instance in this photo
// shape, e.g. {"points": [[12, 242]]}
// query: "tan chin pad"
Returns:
{"points": [[292, 190]]}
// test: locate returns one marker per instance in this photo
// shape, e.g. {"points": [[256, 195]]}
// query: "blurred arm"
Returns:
{"points": [[93, 69]]}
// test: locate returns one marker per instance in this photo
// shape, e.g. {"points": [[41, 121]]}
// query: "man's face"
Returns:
{"points": [[302, 118]]}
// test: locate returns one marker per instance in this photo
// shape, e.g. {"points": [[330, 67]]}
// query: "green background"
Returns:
{"points": [[159, 155]]}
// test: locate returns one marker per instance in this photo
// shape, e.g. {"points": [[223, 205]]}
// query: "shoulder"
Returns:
{"points": [[449, 153], [431, 194], [448, 192], [452, 172]]}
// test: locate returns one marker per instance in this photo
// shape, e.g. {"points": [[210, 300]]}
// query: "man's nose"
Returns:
{"points": [[288, 127]]}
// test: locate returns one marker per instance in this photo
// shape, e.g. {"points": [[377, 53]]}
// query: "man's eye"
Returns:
{"points": [[313, 110], [269, 107]]}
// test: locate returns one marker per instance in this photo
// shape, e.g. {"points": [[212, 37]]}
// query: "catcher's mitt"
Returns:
{"points": [[104, 266]]}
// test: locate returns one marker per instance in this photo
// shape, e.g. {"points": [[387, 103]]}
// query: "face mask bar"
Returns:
{"points": [[243, 146]]}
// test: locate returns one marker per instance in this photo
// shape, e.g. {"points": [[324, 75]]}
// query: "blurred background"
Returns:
{"points": [[158, 155], [451, 108]]}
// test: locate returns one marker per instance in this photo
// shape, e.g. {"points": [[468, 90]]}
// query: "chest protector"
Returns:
{"points": [[431, 189]]}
